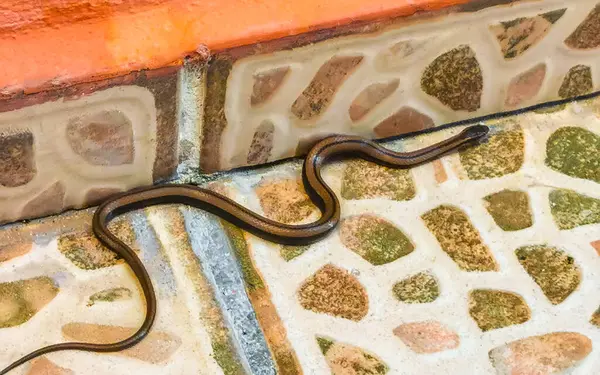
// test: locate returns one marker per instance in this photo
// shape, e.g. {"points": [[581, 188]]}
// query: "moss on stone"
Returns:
{"points": [[374, 239], [459, 239], [364, 180], [419, 288], [110, 295], [290, 252], [493, 309], [552, 269], [502, 154], [571, 209], [510, 209], [251, 276], [574, 151], [324, 344]]}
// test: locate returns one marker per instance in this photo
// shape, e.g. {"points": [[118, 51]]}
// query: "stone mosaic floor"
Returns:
{"points": [[484, 262]]}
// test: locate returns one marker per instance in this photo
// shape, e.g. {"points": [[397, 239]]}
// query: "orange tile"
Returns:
{"points": [[69, 40]]}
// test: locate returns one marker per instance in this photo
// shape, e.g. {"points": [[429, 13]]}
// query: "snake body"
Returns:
{"points": [[321, 195]]}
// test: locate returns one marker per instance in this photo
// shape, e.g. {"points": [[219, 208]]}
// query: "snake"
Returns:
{"points": [[217, 204]]}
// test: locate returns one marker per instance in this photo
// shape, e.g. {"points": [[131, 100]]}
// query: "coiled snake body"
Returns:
{"points": [[321, 195]]}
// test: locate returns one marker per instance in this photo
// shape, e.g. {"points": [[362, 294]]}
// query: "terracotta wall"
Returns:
{"points": [[98, 97]]}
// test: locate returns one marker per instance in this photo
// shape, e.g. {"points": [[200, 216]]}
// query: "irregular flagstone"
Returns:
{"points": [[518, 35], [420, 288], [370, 97], [374, 239], [552, 353], [156, 348], [502, 154], [574, 151], [43, 366], [266, 84], [86, 252], [334, 291], [571, 209], [578, 81], [284, 200], [510, 209], [365, 180], [315, 99], [587, 34], [459, 239], [427, 337], [493, 309], [552, 269], [455, 79], [525, 86], [21, 300], [344, 359]]}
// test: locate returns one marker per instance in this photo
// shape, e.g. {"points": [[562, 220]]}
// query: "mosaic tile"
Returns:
{"points": [[427, 337], [262, 143], [493, 158], [455, 79], [334, 291], [315, 99], [376, 240], [86, 252], [459, 239], [525, 86], [46, 367], [510, 209], [346, 359], [552, 269], [266, 84], [571, 209], [587, 34], [518, 35], [405, 120], [573, 151], [370, 97], [284, 200], [157, 347], [578, 81], [21, 300], [365, 180], [17, 163], [420, 288], [393, 57], [493, 309], [103, 138], [546, 354]]}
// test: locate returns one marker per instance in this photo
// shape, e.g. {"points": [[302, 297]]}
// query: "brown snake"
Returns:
{"points": [[321, 195]]}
